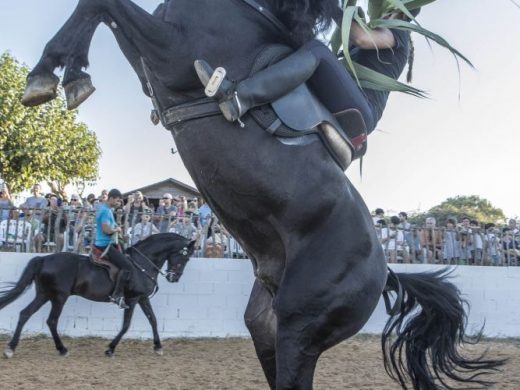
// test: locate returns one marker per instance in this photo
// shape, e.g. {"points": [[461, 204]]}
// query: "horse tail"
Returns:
{"points": [[31, 270], [429, 320]]}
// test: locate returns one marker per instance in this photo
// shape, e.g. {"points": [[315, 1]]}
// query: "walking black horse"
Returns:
{"points": [[320, 270], [60, 275]]}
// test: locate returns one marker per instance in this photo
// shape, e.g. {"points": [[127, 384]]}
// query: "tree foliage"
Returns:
{"points": [[45, 143], [472, 206]]}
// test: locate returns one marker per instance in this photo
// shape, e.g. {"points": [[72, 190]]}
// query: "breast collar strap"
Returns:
{"points": [[270, 17]]}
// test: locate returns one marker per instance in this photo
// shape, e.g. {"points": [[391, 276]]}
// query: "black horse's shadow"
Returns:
{"points": [[58, 276], [319, 267]]}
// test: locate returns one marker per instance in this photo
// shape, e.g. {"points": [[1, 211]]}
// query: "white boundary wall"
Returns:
{"points": [[210, 299]]}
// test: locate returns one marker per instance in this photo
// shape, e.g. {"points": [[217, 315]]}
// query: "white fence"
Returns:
{"points": [[210, 299]]}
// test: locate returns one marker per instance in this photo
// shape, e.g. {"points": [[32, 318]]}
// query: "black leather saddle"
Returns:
{"points": [[300, 113]]}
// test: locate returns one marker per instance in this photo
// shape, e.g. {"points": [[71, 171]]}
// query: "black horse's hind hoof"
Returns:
{"points": [[8, 353], [77, 91], [64, 352], [41, 88], [158, 351], [109, 353]]}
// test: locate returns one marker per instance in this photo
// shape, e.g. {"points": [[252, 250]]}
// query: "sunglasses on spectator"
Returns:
{"points": [[74, 200]]}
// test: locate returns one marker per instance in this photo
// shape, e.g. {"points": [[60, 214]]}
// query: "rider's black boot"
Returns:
{"points": [[118, 296], [263, 87]]}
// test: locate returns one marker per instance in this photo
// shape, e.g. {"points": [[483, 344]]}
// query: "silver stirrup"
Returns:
{"points": [[215, 82]]}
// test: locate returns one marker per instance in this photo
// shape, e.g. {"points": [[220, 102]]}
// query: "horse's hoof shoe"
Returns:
{"points": [[159, 351], [109, 353], [78, 91], [8, 353], [40, 89]]}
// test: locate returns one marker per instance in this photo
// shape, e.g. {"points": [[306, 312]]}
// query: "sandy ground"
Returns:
{"points": [[204, 364]]}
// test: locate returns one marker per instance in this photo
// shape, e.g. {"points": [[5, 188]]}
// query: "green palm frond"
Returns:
{"points": [[371, 79], [348, 17], [366, 77], [407, 26]]}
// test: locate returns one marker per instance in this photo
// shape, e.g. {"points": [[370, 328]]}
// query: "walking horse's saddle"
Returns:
{"points": [[98, 258]]}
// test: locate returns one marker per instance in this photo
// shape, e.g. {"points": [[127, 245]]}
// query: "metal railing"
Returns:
{"points": [[73, 229]]}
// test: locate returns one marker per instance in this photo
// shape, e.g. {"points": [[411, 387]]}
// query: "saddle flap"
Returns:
{"points": [[96, 259], [300, 110]]}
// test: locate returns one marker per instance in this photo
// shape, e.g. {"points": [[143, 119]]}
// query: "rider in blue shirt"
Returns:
{"points": [[106, 229]]}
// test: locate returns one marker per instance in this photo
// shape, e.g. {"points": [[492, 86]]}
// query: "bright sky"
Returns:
{"points": [[426, 151]]}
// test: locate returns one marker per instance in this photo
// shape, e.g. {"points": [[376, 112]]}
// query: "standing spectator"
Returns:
{"points": [[510, 247], [393, 240], [431, 241], [55, 223], [185, 228], [29, 218], [181, 204], [37, 202], [134, 208], [73, 214], [5, 202], [193, 210], [406, 228], [450, 243], [90, 202], [513, 226], [465, 241], [477, 243], [204, 215], [379, 215], [85, 229], [145, 228], [491, 245], [166, 212]]}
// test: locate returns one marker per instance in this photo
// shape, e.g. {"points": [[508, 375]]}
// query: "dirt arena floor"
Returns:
{"points": [[204, 364]]}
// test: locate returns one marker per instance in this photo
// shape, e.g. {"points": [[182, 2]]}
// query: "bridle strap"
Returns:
{"points": [[149, 261], [270, 17]]}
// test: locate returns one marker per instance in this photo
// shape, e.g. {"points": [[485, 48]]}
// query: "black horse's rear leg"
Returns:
{"points": [[127, 319], [148, 312], [70, 46], [52, 322], [25, 314], [261, 322]]}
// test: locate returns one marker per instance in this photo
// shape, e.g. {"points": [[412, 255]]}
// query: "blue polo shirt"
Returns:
{"points": [[104, 215]]}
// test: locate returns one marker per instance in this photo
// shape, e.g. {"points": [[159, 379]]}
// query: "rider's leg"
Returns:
{"points": [[123, 277], [264, 87], [330, 81]]}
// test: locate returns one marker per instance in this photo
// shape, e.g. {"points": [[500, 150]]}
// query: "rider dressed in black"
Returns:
{"points": [[106, 229], [383, 50]]}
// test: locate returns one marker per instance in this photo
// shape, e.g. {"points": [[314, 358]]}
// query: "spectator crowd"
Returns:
{"points": [[461, 241], [47, 223]]}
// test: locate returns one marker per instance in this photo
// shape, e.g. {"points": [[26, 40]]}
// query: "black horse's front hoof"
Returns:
{"points": [[77, 91], [109, 353], [64, 352], [40, 89], [158, 351]]}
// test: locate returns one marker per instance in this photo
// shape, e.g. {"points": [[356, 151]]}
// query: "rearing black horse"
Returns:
{"points": [[319, 267], [60, 275]]}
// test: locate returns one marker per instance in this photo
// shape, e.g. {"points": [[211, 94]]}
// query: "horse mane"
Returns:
{"points": [[155, 239], [306, 18]]}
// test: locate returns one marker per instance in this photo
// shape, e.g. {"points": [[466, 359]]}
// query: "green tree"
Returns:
{"points": [[472, 206], [45, 143]]}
